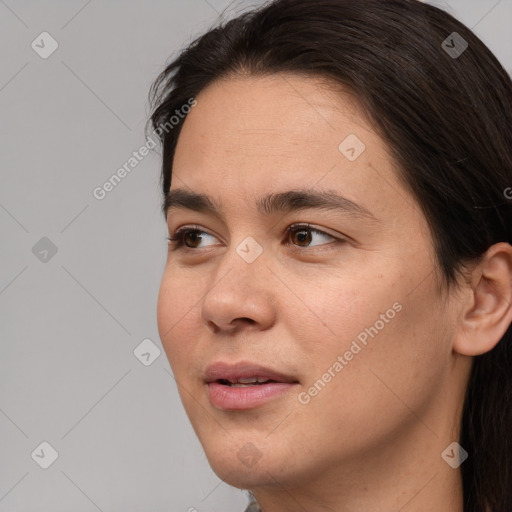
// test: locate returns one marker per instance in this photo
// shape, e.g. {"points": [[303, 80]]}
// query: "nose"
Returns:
{"points": [[240, 296]]}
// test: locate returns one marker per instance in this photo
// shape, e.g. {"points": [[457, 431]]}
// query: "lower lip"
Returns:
{"points": [[239, 398]]}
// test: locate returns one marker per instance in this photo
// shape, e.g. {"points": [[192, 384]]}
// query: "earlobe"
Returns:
{"points": [[486, 317]]}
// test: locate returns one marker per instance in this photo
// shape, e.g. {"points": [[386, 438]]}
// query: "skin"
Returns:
{"points": [[372, 438]]}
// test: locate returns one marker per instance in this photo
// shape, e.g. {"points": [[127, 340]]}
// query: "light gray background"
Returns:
{"points": [[69, 325]]}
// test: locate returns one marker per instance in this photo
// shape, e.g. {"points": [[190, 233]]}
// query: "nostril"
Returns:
{"points": [[243, 320]]}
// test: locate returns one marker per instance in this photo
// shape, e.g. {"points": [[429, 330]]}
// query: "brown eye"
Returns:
{"points": [[301, 237], [191, 239]]}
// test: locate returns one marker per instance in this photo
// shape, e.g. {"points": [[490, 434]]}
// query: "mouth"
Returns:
{"points": [[244, 382], [244, 374], [245, 385]]}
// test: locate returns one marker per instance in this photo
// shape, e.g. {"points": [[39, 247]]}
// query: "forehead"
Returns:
{"points": [[263, 107], [265, 122], [251, 135]]}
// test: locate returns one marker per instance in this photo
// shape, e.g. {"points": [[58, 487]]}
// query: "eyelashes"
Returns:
{"points": [[178, 241]]}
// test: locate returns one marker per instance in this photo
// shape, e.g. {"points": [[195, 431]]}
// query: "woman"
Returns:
{"points": [[336, 304]]}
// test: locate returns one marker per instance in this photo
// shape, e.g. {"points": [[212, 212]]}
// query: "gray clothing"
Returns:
{"points": [[253, 504]]}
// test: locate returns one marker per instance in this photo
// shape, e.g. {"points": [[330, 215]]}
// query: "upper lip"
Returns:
{"points": [[234, 371]]}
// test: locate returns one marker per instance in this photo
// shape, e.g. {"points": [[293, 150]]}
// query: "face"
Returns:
{"points": [[312, 267]]}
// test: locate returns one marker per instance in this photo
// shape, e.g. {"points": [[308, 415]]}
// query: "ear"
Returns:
{"points": [[487, 313]]}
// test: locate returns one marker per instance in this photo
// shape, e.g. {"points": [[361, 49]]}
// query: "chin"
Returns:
{"points": [[237, 475], [249, 464]]}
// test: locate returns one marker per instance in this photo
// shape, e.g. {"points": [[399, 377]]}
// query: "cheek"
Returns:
{"points": [[373, 315], [175, 309], [394, 350], [330, 311]]}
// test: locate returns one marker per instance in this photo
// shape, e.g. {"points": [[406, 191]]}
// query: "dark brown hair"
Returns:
{"points": [[446, 115]]}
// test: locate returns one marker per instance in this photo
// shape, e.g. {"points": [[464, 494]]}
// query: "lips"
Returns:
{"points": [[242, 386], [244, 373]]}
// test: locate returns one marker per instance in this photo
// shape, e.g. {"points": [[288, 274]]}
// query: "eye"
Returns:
{"points": [[302, 235], [189, 237]]}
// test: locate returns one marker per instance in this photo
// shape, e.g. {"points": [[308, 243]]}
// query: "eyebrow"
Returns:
{"points": [[281, 202]]}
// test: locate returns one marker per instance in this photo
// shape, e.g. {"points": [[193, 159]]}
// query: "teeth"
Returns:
{"points": [[249, 381], [252, 380]]}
